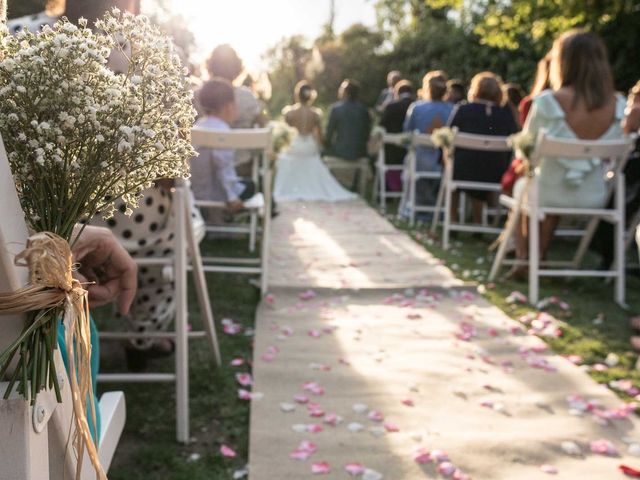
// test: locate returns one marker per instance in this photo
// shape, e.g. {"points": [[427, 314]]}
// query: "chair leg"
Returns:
{"points": [[182, 347], [585, 241], [383, 189], [534, 252], [509, 229], [266, 235], [200, 282], [438, 209], [619, 241], [447, 216], [253, 231], [374, 191], [412, 198]]}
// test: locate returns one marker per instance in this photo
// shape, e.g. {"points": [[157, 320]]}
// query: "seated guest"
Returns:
{"points": [[349, 124], [583, 105], [540, 84], [393, 122], [456, 92], [424, 116], [387, 94], [513, 95], [213, 174], [484, 114], [225, 63]]}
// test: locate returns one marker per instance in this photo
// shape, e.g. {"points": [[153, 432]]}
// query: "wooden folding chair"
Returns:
{"points": [[449, 185], [528, 202], [379, 192], [258, 140], [34, 440]]}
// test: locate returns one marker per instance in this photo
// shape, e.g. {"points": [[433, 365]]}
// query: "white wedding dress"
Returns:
{"points": [[302, 175]]}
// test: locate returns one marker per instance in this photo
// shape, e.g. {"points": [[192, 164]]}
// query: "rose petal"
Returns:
{"points": [[550, 469], [236, 362], [408, 402], [227, 451], [446, 468], [244, 379], [375, 416], [354, 469], [320, 468], [391, 427]]}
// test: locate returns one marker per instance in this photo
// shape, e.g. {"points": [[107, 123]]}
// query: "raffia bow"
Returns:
{"points": [[52, 286]]}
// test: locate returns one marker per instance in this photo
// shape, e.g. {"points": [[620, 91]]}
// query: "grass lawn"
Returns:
{"points": [[594, 326], [148, 449]]}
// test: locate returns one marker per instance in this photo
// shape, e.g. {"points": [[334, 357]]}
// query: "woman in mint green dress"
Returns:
{"points": [[582, 105]]}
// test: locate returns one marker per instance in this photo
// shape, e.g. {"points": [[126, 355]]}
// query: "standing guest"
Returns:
{"points": [[225, 63], [392, 121], [514, 94], [485, 114], [583, 105], [213, 174], [456, 93], [540, 84], [424, 116], [387, 94], [349, 124]]}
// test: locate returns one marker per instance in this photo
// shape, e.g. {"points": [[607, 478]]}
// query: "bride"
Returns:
{"points": [[301, 174]]}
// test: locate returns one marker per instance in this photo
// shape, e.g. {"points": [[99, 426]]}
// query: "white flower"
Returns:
{"points": [[99, 138], [21, 89]]}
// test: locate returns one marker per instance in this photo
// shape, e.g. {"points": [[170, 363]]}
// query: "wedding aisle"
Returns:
{"points": [[372, 360]]}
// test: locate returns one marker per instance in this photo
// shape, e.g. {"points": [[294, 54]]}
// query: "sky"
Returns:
{"points": [[252, 26]]}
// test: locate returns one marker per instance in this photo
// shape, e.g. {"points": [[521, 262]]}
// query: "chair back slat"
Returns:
{"points": [[422, 140], [237, 139], [399, 139], [548, 146], [486, 143]]}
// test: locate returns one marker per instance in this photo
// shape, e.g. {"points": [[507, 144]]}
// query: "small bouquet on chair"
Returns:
{"points": [[442, 137], [78, 137]]}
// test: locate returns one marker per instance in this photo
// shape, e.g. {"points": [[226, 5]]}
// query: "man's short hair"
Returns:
{"points": [[215, 94], [351, 89]]}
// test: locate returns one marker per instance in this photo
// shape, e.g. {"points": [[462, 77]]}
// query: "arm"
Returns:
{"points": [[631, 122], [227, 176], [409, 119], [331, 129]]}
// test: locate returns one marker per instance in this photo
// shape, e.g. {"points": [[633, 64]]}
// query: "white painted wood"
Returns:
{"points": [[113, 411], [617, 151]]}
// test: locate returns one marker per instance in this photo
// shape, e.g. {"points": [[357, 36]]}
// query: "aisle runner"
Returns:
{"points": [[409, 383]]}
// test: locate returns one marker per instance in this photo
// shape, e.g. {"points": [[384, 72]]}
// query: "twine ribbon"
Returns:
{"points": [[51, 285]]}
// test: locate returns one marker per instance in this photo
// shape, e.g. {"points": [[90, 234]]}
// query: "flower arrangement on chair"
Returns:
{"points": [[442, 137], [78, 137]]}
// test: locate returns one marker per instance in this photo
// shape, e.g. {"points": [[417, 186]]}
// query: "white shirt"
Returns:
{"points": [[213, 174]]}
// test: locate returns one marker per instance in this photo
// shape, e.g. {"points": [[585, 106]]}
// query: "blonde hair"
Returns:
{"points": [[486, 86], [635, 91], [579, 60], [434, 85]]}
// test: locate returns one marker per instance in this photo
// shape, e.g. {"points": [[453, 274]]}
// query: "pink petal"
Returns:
{"points": [[440, 456], [408, 402], [354, 469], [315, 427], [268, 357], [301, 399], [300, 454], [270, 298], [244, 379], [236, 362], [315, 333], [320, 468], [550, 469], [244, 394], [446, 468], [376, 416], [227, 451], [422, 456], [391, 427], [604, 447], [308, 446]]}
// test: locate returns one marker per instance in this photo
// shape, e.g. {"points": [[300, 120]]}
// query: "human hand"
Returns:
{"points": [[235, 206], [104, 260]]}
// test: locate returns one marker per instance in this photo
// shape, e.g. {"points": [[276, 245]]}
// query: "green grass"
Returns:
{"points": [[148, 449], [595, 325]]}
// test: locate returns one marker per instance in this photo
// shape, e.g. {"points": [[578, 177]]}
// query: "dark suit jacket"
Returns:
{"points": [[348, 130], [392, 121]]}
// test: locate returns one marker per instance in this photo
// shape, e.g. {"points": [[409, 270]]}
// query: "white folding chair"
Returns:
{"points": [[34, 440], [248, 139], [528, 202], [469, 141], [413, 176], [258, 140], [186, 248], [359, 167], [379, 192]]}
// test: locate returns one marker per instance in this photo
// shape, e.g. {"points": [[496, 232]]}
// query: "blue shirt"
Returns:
{"points": [[424, 116]]}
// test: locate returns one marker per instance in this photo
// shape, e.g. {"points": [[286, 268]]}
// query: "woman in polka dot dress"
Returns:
{"points": [[149, 233]]}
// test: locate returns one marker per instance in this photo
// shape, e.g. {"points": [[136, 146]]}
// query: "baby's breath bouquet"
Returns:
{"points": [[79, 136], [523, 143], [282, 135], [442, 137]]}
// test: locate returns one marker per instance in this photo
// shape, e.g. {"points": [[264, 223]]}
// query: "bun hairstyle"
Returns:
{"points": [[434, 85], [305, 93]]}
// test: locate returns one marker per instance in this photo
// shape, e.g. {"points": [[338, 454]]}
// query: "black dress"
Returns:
{"points": [[482, 119]]}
